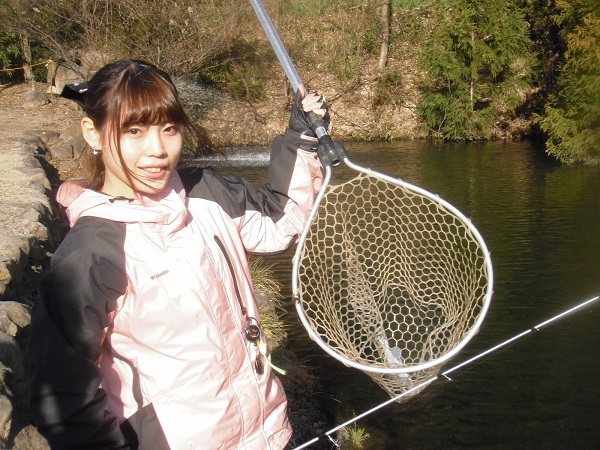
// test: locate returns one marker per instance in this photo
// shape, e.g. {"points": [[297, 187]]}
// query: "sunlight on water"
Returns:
{"points": [[235, 158]]}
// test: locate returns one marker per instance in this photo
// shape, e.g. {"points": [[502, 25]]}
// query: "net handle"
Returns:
{"points": [[330, 153], [278, 47]]}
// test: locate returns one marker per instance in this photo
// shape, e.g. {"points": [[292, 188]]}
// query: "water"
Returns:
{"points": [[540, 221]]}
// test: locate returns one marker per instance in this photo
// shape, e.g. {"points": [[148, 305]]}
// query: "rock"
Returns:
{"points": [[14, 317], [71, 132], [29, 231], [5, 277], [79, 146], [69, 165], [30, 439], [32, 144], [15, 254], [61, 74], [49, 137], [14, 412], [62, 151], [6, 411], [92, 61], [11, 358], [265, 302], [70, 143], [35, 178], [33, 99], [13, 386]]}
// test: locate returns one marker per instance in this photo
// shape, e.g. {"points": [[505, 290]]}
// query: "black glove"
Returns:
{"points": [[303, 122]]}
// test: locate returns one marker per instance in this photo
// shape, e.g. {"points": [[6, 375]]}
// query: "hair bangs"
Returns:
{"points": [[151, 101]]}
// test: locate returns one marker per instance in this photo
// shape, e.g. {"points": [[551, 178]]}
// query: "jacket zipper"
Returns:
{"points": [[252, 330], [235, 284]]}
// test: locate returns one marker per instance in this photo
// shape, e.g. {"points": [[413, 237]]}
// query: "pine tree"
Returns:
{"points": [[572, 117], [477, 68]]}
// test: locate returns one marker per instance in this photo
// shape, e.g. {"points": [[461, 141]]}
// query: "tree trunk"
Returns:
{"points": [[26, 52], [386, 8], [472, 71]]}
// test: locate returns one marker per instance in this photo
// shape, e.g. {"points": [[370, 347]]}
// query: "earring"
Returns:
{"points": [[96, 150]]}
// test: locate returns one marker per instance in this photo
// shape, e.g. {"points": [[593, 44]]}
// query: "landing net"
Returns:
{"points": [[391, 280]]}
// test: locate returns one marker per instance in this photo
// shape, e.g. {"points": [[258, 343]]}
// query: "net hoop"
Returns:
{"points": [[427, 367]]}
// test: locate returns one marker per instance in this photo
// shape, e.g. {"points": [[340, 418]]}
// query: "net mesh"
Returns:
{"points": [[390, 279]]}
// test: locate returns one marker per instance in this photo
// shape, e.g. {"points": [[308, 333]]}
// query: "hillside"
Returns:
{"points": [[362, 106]]}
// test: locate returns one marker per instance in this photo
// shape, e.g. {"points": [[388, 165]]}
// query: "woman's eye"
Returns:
{"points": [[133, 131], [171, 130]]}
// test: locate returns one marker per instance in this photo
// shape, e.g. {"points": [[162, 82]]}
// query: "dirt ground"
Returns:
{"points": [[17, 120]]}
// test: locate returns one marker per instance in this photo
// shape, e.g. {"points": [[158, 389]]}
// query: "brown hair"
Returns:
{"points": [[129, 92]]}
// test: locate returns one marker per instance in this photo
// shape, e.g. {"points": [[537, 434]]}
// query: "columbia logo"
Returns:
{"points": [[164, 272]]}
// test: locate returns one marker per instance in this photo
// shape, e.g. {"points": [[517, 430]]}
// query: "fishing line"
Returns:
{"points": [[445, 374]]}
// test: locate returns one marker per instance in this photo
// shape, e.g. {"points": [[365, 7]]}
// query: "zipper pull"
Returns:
{"points": [[258, 365]]}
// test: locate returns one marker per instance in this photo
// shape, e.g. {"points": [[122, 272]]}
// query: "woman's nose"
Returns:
{"points": [[154, 144]]}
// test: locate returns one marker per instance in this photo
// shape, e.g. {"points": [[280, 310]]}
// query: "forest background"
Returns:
{"points": [[391, 69]]}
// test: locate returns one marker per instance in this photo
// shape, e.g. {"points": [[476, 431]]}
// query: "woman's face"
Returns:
{"points": [[150, 154]]}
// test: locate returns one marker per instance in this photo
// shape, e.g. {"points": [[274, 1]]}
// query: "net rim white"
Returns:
{"points": [[383, 370]]}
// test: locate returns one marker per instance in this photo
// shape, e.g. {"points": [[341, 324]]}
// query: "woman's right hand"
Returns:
{"points": [[300, 121]]}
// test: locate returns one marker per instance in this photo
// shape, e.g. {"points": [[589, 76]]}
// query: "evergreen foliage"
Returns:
{"points": [[547, 44], [477, 68], [572, 117], [9, 54]]}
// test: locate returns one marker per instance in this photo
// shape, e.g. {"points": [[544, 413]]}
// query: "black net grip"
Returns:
{"points": [[331, 153]]}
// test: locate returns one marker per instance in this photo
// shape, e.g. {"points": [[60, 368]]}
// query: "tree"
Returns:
{"points": [[572, 117], [477, 68], [9, 52], [180, 37], [26, 53], [385, 12], [547, 43]]}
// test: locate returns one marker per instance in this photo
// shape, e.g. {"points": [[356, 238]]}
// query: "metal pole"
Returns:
{"points": [[280, 51], [329, 153]]}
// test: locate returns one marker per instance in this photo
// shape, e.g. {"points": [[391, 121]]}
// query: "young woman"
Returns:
{"points": [[146, 331]]}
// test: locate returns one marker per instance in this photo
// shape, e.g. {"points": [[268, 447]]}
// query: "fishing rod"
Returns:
{"points": [[446, 373]]}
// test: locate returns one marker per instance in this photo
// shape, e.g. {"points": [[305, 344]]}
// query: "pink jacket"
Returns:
{"points": [[162, 286]]}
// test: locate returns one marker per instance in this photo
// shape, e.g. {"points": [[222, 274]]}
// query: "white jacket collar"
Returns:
{"points": [[167, 207]]}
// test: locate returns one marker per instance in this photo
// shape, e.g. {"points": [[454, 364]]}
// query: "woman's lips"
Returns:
{"points": [[153, 173]]}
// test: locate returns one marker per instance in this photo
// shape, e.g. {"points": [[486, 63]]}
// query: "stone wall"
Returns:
{"points": [[26, 243]]}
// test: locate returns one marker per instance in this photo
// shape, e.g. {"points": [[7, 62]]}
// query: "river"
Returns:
{"points": [[539, 220]]}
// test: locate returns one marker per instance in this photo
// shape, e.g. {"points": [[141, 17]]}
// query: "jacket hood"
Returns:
{"points": [[167, 207]]}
